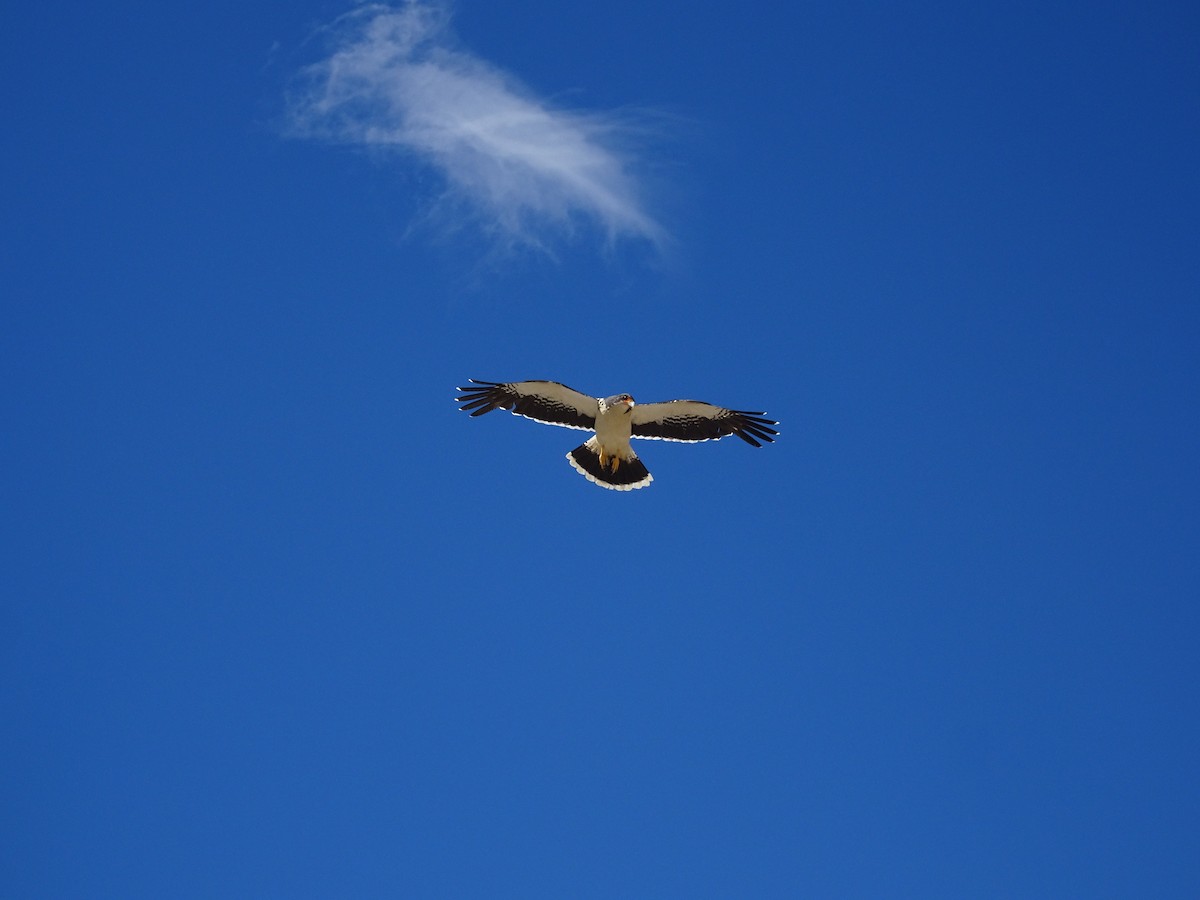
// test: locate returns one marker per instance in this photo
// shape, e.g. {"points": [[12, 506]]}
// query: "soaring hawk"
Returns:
{"points": [[606, 458]]}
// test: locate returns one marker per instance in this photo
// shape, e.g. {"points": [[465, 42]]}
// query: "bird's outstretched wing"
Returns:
{"points": [[542, 401], [691, 420]]}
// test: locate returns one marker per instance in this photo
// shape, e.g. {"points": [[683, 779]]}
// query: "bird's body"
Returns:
{"points": [[607, 459]]}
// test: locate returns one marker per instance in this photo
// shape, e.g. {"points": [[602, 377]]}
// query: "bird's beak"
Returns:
{"points": [[629, 405]]}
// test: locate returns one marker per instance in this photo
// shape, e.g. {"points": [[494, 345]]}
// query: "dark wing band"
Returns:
{"points": [[542, 401], [691, 420]]}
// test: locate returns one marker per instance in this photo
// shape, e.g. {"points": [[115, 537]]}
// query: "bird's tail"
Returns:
{"points": [[616, 474]]}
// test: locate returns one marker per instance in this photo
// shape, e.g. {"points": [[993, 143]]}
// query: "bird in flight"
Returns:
{"points": [[606, 458]]}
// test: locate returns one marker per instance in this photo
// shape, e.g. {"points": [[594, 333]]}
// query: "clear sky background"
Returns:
{"points": [[279, 621]]}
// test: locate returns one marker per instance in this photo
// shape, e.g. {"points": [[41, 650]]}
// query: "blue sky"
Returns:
{"points": [[279, 621]]}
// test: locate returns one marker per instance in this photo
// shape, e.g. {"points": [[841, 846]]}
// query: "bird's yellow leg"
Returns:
{"points": [[616, 462], [603, 458]]}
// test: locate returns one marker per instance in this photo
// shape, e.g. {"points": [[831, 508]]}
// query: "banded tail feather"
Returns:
{"points": [[617, 473]]}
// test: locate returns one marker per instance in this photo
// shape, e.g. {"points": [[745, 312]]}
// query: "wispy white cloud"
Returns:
{"points": [[523, 168]]}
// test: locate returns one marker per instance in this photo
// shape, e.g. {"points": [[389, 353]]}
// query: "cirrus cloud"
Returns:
{"points": [[520, 167]]}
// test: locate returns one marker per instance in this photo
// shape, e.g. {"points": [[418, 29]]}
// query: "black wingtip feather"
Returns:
{"points": [[481, 397], [754, 427]]}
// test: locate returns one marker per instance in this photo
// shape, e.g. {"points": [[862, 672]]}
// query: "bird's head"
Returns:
{"points": [[619, 401]]}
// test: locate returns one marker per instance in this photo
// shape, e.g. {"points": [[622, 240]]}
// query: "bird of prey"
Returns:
{"points": [[606, 458]]}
